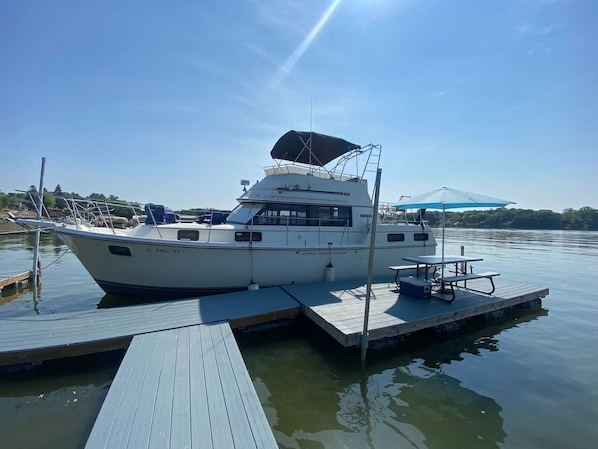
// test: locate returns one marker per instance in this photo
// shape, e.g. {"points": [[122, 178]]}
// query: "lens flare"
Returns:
{"points": [[288, 65]]}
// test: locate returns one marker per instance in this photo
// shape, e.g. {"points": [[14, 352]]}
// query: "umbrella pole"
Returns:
{"points": [[443, 226]]}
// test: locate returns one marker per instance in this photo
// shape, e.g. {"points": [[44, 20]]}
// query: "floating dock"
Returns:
{"points": [[182, 388], [46, 337], [183, 382], [339, 309], [336, 307]]}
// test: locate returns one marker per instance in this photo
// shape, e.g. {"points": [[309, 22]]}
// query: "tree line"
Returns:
{"points": [[55, 202], [584, 219]]}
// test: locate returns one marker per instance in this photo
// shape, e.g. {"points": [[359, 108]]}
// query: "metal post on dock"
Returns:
{"points": [[40, 196], [364, 335]]}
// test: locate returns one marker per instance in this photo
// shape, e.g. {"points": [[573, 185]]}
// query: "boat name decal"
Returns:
{"points": [[166, 250]]}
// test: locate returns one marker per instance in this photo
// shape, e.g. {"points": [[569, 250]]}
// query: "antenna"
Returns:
{"points": [[311, 114]]}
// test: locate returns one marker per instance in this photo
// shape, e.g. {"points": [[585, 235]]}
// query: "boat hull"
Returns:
{"points": [[132, 266]]}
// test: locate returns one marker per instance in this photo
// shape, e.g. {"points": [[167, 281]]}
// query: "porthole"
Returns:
{"points": [[119, 250]]}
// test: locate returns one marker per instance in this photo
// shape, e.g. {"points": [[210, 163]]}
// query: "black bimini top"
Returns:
{"points": [[295, 146]]}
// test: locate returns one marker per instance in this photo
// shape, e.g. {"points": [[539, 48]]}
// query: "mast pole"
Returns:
{"points": [[40, 198], [366, 315]]}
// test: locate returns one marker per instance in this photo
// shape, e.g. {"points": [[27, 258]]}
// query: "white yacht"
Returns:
{"points": [[303, 222]]}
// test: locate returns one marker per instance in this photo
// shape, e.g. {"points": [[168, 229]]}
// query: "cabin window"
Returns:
{"points": [[421, 236], [119, 250], [329, 216], [187, 234], [303, 215], [244, 213], [246, 236], [395, 237], [282, 215]]}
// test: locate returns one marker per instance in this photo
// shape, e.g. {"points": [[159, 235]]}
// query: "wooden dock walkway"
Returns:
{"points": [[339, 308], [38, 338], [14, 280], [182, 388]]}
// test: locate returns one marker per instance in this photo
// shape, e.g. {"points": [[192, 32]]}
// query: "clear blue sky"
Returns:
{"points": [[174, 102]]}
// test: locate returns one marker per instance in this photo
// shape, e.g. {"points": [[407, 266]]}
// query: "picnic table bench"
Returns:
{"points": [[453, 281], [415, 267]]}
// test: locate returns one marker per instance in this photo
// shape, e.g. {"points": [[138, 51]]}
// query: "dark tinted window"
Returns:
{"points": [[420, 236], [185, 234], [119, 250], [395, 237], [243, 236], [329, 216], [302, 215]]}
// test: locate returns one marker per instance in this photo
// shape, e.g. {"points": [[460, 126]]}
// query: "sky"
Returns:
{"points": [[174, 102]]}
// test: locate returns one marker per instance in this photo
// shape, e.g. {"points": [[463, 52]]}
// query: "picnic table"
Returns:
{"points": [[458, 269]]}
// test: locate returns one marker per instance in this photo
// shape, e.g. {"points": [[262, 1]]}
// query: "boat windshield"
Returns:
{"points": [[243, 213]]}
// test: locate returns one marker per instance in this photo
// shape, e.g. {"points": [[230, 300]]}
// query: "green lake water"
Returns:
{"points": [[528, 380]]}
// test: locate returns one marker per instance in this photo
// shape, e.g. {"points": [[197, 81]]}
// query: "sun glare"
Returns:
{"points": [[288, 65]]}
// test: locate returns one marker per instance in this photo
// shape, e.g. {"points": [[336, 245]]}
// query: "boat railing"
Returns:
{"points": [[388, 214], [153, 220], [41, 212], [317, 172], [352, 166], [101, 213], [362, 160]]}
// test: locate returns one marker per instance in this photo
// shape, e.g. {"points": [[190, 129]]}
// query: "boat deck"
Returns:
{"points": [[185, 387]]}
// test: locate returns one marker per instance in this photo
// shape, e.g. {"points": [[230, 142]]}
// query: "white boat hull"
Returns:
{"points": [[162, 267]]}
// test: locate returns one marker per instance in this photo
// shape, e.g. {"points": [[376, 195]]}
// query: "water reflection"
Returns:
{"points": [[315, 395], [423, 408], [55, 404]]}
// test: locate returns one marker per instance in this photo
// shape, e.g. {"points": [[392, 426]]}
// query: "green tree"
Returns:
{"points": [[571, 219], [97, 196], [547, 219], [59, 196], [588, 218], [4, 200], [49, 199]]}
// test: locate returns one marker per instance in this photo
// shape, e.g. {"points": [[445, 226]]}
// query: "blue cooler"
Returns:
{"points": [[416, 288]]}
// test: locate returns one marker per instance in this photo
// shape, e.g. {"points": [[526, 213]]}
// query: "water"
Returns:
{"points": [[529, 380]]}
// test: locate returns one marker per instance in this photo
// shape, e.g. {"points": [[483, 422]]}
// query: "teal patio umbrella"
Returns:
{"points": [[447, 198]]}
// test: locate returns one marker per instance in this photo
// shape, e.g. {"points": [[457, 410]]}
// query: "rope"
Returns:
{"points": [[57, 259], [10, 274]]}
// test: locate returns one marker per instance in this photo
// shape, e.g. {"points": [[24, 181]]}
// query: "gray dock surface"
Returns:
{"points": [[338, 308], [182, 388], [46, 337], [183, 382]]}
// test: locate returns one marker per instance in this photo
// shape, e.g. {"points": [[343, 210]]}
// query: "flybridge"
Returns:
{"points": [[306, 147], [314, 151]]}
